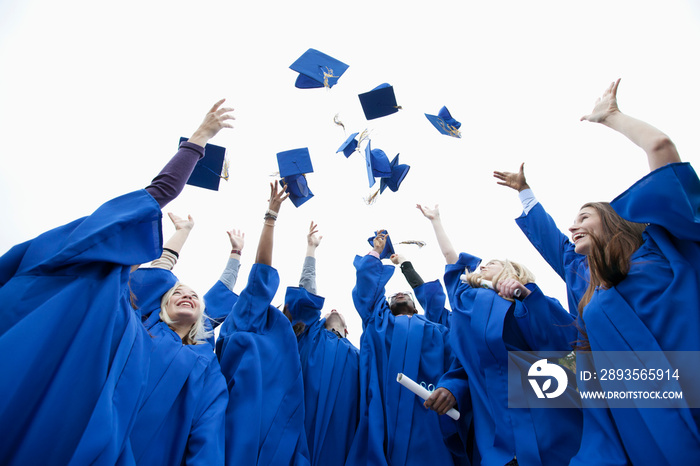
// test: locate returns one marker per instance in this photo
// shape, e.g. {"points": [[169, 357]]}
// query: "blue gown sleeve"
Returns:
{"points": [[368, 293], [431, 297], [453, 272], [250, 312], [668, 197], [148, 285], [219, 301], [303, 305], [555, 247], [544, 323], [545, 236]]}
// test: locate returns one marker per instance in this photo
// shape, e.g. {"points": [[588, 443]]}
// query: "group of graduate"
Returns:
{"points": [[110, 359]]}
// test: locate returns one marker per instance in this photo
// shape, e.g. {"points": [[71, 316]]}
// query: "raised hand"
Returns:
{"points": [[379, 241], [181, 223], [277, 196], [605, 105], [217, 118], [237, 238], [397, 259], [430, 214], [311, 239], [513, 180]]}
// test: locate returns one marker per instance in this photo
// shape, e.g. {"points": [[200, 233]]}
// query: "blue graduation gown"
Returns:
{"points": [[485, 328], [182, 417], [258, 354], [394, 426], [331, 368], [432, 298], [655, 308], [558, 251], [75, 352]]}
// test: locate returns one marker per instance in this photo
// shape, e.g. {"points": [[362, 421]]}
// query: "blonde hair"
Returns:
{"points": [[510, 270], [198, 332]]}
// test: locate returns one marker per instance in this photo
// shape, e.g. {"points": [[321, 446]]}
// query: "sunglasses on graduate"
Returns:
{"points": [[395, 295]]}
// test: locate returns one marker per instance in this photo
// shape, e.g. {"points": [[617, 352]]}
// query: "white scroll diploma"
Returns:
{"points": [[422, 392]]}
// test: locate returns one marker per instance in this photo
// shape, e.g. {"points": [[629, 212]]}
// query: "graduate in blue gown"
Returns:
{"points": [[80, 355], [395, 427], [330, 365], [431, 296], [182, 417], [642, 297], [486, 325], [257, 350]]}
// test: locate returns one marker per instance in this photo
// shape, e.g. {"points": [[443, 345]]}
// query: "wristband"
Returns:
{"points": [[174, 253], [271, 213], [236, 251]]}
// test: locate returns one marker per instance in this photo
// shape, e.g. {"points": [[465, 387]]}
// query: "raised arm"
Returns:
{"points": [[445, 245], [172, 178], [659, 147], [172, 248], [308, 271], [230, 273], [277, 196], [414, 280]]}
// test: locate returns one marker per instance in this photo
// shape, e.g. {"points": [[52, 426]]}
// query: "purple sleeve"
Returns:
{"points": [[172, 178]]}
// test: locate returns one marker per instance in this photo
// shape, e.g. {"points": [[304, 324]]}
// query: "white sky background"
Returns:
{"points": [[94, 96]]}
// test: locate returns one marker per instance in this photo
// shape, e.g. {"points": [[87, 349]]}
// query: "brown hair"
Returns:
{"points": [[609, 258], [298, 327]]}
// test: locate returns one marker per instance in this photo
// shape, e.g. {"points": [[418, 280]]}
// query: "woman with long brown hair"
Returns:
{"points": [[642, 261]]}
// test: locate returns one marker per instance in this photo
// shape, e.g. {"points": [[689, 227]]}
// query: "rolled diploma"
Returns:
{"points": [[422, 392]]}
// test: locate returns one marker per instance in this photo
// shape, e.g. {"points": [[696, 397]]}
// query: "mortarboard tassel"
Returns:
{"points": [[454, 132], [336, 120], [224, 170], [418, 243], [372, 198], [328, 73]]}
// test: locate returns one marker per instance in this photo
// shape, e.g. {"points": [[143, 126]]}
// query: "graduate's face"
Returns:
{"points": [[401, 304], [587, 222], [184, 306], [490, 269], [336, 321]]}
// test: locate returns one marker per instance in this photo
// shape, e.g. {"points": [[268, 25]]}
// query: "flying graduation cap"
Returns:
{"points": [[378, 165], [444, 123], [316, 69], [293, 165], [398, 173], [379, 102], [210, 168], [388, 247], [349, 146]]}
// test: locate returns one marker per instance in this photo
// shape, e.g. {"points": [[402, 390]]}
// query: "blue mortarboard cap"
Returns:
{"points": [[378, 165], [207, 173], [293, 164], [349, 146], [298, 189], [316, 69], [379, 102], [398, 173], [388, 247], [444, 123]]}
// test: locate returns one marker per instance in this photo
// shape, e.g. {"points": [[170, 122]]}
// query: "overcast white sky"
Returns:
{"points": [[94, 97]]}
